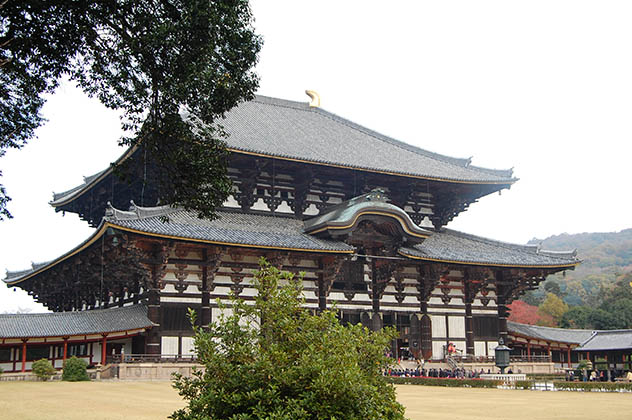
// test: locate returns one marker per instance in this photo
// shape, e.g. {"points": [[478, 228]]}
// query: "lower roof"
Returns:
{"points": [[67, 324], [286, 233], [558, 335]]}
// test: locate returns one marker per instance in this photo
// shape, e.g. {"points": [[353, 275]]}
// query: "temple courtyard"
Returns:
{"points": [[156, 400]]}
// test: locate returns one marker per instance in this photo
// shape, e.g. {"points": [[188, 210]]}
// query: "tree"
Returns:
{"points": [[553, 307], [275, 359], [173, 67], [577, 317], [75, 370], [43, 369], [523, 312]]}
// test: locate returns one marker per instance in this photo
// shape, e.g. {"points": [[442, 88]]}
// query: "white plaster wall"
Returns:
{"points": [[437, 350], [8, 366], [187, 346], [479, 348], [491, 345], [438, 326], [460, 346], [169, 345], [456, 326]]}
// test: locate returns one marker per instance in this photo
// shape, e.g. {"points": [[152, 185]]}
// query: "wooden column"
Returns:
{"points": [[23, 356], [104, 342], [568, 351], [502, 308], [205, 316], [469, 324], [322, 296], [528, 350], [65, 349]]}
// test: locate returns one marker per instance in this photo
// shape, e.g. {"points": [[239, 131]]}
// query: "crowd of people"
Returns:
{"points": [[458, 373], [597, 375]]}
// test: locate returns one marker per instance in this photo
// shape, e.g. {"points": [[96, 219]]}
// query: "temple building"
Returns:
{"points": [[363, 215]]}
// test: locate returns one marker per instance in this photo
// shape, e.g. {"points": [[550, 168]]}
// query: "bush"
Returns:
{"points": [[593, 386], [75, 370], [1, 371], [465, 383], [274, 359], [524, 384], [43, 369]]}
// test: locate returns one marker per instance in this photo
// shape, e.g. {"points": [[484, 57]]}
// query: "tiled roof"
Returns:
{"points": [[608, 340], [231, 228], [450, 245], [63, 324], [559, 335], [294, 130]]}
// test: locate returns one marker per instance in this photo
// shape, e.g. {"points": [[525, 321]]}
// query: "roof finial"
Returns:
{"points": [[315, 98]]}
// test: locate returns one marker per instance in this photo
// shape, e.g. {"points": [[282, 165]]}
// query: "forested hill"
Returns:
{"points": [[606, 256]]}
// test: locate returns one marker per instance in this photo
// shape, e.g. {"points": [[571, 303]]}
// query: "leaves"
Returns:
{"points": [[275, 359], [156, 61]]}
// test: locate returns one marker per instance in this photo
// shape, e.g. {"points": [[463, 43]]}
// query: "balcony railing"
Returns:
{"points": [[513, 359]]}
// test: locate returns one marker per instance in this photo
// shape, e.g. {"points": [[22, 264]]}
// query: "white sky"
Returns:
{"points": [[541, 86]]}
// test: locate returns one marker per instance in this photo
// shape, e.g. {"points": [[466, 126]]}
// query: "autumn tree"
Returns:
{"points": [[553, 307], [523, 312], [172, 67], [275, 359]]}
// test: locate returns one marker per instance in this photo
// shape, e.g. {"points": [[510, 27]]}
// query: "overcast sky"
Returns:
{"points": [[544, 87]]}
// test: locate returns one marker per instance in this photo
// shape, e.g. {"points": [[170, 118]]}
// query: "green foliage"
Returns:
{"points": [[1, 371], [523, 384], [75, 370], [154, 60], [593, 386], [456, 383], [577, 317], [43, 369], [552, 307], [275, 359]]}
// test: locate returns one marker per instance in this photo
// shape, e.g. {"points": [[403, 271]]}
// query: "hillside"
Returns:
{"points": [[605, 257]]}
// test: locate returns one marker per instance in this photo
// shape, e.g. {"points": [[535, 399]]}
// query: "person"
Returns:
{"points": [[593, 376], [628, 377]]}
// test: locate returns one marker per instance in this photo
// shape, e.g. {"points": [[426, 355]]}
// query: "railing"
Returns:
{"points": [[513, 359], [150, 358]]}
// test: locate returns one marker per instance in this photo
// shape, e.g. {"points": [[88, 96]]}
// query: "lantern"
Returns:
{"points": [[502, 355]]}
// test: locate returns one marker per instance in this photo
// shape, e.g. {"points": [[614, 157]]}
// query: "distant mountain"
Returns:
{"points": [[605, 257]]}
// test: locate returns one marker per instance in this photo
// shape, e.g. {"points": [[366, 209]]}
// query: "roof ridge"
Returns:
{"points": [[304, 106], [136, 212], [551, 328]]}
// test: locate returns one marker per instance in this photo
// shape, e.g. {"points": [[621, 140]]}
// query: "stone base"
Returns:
{"points": [[154, 371]]}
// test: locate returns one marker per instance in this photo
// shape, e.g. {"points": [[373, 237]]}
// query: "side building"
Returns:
{"points": [[362, 214]]}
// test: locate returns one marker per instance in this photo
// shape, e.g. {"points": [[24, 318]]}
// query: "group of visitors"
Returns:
{"points": [[458, 373], [597, 375]]}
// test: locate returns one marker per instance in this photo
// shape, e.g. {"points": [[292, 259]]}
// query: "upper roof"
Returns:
{"points": [[558, 335], [65, 324], [295, 131], [457, 247], [608, 340]]}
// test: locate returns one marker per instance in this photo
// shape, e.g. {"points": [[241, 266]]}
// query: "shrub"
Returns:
{"points": [[524, 384], [593, 386], [448, 382], [274, 359], [75, 370], [1, 371], [43, 369]]}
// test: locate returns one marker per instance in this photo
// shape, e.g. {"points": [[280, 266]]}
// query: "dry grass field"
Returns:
{"points": [[156, 400]]}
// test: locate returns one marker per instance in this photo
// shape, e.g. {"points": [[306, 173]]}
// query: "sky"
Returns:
{"points": [[544, 87]]}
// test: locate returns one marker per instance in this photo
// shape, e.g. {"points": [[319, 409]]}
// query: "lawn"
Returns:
{"points": [[156, 400]]}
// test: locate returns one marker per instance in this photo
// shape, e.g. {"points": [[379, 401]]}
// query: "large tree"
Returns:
{"points": [[272, 358], [173, 67]]}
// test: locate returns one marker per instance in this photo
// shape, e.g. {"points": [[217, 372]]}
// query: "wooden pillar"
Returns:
{"points": [[24, 356], [548, 350], [205, 317], [502, 308], [568, 351], [528, 350], [104, 341], [322, 292], [469, 323], [65, 349]]}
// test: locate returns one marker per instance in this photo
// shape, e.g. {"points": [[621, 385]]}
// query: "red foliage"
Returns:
{"points": [[524, 313]]}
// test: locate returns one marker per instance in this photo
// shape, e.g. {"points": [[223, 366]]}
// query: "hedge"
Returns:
{"points": [[466, 383], [593, 386]]}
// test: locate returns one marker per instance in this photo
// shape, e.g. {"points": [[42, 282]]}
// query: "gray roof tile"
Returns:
{"points": [[253, 230], [559, 335], [61, 324], [608, 340], [458, 247]]}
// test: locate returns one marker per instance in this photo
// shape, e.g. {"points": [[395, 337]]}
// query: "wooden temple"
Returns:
{"points": [[361, 214]]}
